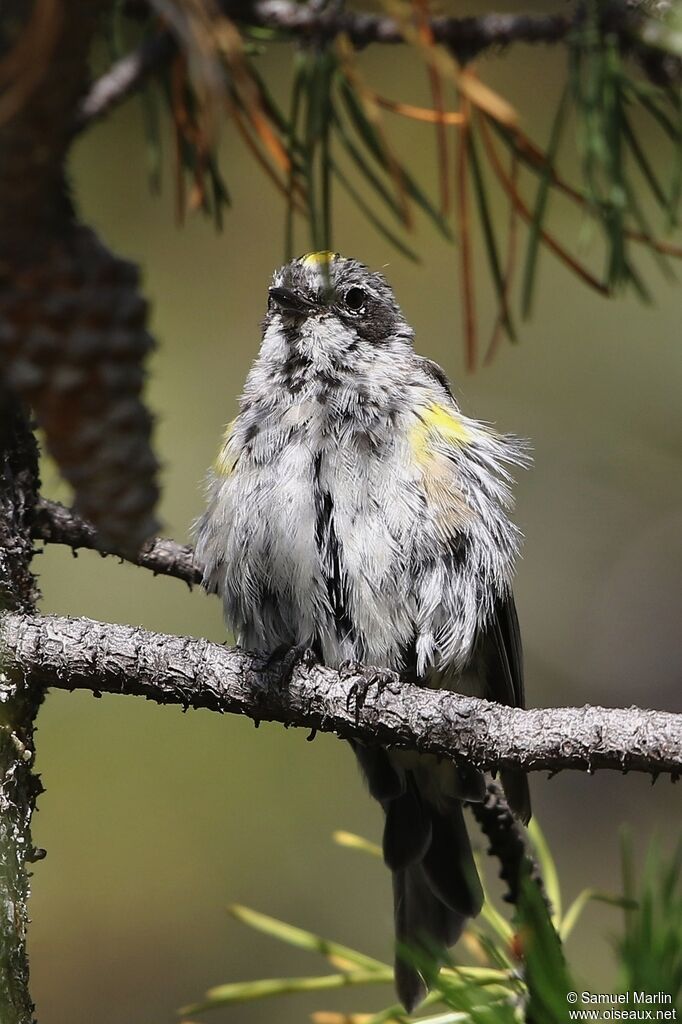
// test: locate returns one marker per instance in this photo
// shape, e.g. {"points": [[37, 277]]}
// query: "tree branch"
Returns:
{"points": [[465, 37], [124, 77], [44, 51], [507, 842], [468, 36], [364, 704], [56, 524], [19, 702]]}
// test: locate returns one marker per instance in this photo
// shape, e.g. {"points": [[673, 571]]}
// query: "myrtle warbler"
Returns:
{"points": [[355, 511]]}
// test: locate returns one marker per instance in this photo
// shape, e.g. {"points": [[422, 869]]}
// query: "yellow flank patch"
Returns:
{"points": [[435, 422], [226, 459], [318, 259]]}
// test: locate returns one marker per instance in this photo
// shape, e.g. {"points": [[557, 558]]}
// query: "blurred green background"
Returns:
{"points": [[153, 820]]}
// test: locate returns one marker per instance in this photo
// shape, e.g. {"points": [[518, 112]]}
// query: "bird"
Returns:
{"points": [[355, 512]]}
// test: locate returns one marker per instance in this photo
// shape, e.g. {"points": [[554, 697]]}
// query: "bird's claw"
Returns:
{"points": [[349, 668], [382, 678], [285, 660], [357, 694]]}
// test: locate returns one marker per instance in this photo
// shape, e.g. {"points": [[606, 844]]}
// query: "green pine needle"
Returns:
{"points": [[303, 939], [540, 209]]}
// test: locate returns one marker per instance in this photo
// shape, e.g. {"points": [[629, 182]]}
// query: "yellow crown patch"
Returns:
{"points": [[318, 259]]}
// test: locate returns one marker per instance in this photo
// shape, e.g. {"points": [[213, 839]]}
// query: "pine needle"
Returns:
{"points": [[444, 117], [510, 264], [465, 241], [552, 244], [436, 84]]}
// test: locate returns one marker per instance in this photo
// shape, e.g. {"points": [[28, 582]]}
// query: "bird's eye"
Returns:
{"points": [[355, 299]]}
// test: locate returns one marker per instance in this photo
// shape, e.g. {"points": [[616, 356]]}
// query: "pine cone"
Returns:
{"points": [[73, 341]]}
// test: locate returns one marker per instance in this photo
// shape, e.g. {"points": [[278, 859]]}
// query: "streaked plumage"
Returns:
{"points": [[354, 510]]}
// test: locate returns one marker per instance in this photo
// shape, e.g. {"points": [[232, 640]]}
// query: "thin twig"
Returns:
{"points": [[507, 842], [55, 524], [124, 78], [464, 37]]}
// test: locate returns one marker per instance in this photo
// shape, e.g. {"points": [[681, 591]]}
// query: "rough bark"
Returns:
{"points": [[19, 701], [372, 706], [506, 842], [43, 58], [56, 524]]}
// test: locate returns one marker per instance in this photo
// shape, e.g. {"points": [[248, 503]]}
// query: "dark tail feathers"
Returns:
{"points": [[435, 883], [422, 923]]}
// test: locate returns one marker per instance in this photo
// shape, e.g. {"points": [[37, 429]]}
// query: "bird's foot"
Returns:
{"points": [[382, 679], [285, 660], [357, 694], [348, 669], [358, 691]]}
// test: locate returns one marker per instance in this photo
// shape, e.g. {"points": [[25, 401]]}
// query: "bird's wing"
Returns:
{"points": [[460, 460], [506, 681], [503, 660]]}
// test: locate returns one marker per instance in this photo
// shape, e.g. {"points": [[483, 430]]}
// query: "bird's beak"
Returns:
{"points": [[289, 301]]}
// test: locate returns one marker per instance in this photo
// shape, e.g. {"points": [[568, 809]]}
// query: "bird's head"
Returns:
{"points": [[324, 306]]}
